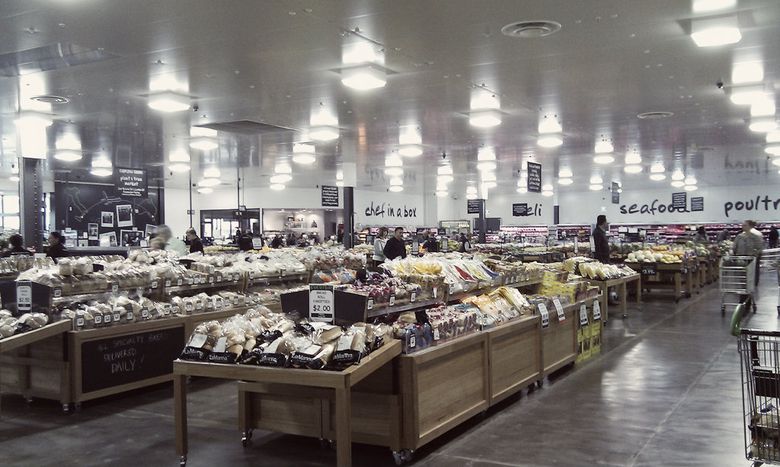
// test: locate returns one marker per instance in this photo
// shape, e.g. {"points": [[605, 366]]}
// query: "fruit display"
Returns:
{"points": [[656, 256], [318, 257], [381, 287], [338, 276], [603, 272], [10, 326], [440, 325], [725, 247], [263, 338]]}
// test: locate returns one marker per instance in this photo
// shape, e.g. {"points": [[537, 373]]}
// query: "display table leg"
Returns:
{"points": [[343, 427], [624, 299], [677, 285], [180, 414], [638, 291]]}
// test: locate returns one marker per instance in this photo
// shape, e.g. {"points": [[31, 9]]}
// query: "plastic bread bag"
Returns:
{"points": [[7, 327], [324, 333], [305, 351], [350, 348], [323, 357], [275, 354]]}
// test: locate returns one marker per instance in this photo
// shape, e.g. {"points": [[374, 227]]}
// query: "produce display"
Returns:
{"points": [[725, 247], [10, 326], [264, 338], [381, 287], [656, 255], [603, 272]]}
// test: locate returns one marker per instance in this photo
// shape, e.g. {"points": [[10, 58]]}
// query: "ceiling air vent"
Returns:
{"points": [[246, 127], [531, 29], [654, 115], [49, 99]]}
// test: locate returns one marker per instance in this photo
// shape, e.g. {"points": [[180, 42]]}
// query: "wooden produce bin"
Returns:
{"points": [[559, 340], [676, 277], [443, 386], [514, 357]]}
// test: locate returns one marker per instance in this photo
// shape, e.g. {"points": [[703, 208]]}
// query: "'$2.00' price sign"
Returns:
{"points": [[321, 306]]}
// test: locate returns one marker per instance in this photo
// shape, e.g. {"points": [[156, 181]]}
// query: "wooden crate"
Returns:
{"points": [[514, 357], [443, 386], [559, 341]]}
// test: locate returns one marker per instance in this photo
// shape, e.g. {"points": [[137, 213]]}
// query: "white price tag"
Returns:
{"points": [[370, 304], [167, 282], [559, 309], [114, 288], [321, 306], [544, 314], [435, 292], [392, 300], [583, 315], [130, 316], [198, 305], [179, 281], [79, 322], [413, 297], [221, 344], [197, 340], [57, 293], [211, 279], [154, 284], [436, 335], [596, 310], [188, 307], [107, 318], [144, 313], [117, 317], [98, 318], [24, 297]]}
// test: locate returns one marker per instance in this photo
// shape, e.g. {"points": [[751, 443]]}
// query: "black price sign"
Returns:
{"points": [[474, 206], [697, 203], [330, 196], [680, 201], [519, 209], [615, 193], [130, 182], [534, 177], [649, 269], [129, 358]]}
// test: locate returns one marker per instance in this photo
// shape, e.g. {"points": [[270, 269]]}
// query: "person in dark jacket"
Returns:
{"points": [[56, 248], [600, 241], [245, 242], [276, 242], [773, 237], [16, 247], [395, 247], [431, 245], [465, 244], [195, 244]]}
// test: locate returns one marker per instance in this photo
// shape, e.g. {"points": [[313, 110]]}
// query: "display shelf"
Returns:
{"points": [[622, 285], [26, 338], [455, 297], [412, 306]]}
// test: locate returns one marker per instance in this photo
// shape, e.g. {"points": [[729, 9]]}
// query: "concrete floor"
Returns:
{"points": [[665, 391]]}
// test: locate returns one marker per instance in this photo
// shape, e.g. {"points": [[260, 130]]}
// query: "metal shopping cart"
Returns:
{"points": [[760, 363], [770, 261], [737, 277]]}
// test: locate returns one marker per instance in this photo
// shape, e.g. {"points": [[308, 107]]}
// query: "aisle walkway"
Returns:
{"points": [[666, 391]]}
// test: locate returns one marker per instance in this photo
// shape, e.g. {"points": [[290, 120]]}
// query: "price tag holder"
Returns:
{"points": [[413, 297], [117, 317], [211, 279], [370, 304], [107, 318], [57, 292], [114, 288], [179, 282], [545, 314], [155, 283], [649, 269], [167, 282], [596, 310], [321, 303], [583, 315], [144, 313], [559, 309], [219, 277], [392, 300], [24, 296], [98, 319]]}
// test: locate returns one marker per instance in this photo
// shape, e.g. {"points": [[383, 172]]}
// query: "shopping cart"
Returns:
{"points": [[760, 363], [770, 261], [737, 277]]}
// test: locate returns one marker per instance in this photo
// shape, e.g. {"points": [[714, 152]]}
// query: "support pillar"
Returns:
{"points": [[349, 216], [31, 202]]}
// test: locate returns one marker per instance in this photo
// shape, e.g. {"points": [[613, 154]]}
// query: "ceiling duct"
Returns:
{"points": [[49, 57], [246, 127]]}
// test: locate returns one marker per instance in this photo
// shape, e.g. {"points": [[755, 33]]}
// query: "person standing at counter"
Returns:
{"points": [[431, 245], [395, 247], [276, 242], [15, 247], [379, 246], [701, 235], [56, 249], [195, 244], [465, 244], [600, 241]]}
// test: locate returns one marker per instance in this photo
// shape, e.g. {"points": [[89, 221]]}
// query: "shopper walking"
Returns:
{"points": [[749, 242], [379, 246], [600, 241], [16, 247], [465, 244], [431, 245], [56, 249], [395, 247], [701, 235], [195, 244], [724, 235], [773, 237]]}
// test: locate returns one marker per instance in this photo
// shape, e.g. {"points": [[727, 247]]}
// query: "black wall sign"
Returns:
{"points": [[519, 209], [697, 203], [125, 359], [534, 177], [615, 193], [474, 206], [130, 182], [680, 200], [330, 196]]}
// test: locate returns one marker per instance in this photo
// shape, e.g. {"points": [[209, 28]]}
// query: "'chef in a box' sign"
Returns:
{"points": [[385, 210]]}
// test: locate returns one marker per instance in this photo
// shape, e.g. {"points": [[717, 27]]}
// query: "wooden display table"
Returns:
{"points": [[514, 356], [312, 384], [666, 276], [622, 284]]}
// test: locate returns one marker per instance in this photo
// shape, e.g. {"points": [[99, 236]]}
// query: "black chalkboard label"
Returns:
{"points": [[129, 358], [519, 209], [615, 193], [474, 206], [697, 203], [680, 200], [330, 196], [130, 182], [534, 177], [649, 269]]}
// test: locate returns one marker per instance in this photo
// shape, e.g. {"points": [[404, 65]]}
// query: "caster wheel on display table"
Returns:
{"points": [[403, 456], [66, 408], [625, 315], [183, 461], [539, 383], [246, 438]]}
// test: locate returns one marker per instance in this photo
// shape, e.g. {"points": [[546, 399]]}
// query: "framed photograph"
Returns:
{"points": [[71, 238], [108, 239], [124, 215], [150, 229], [107, 219], [92, 231], [131, 237]]}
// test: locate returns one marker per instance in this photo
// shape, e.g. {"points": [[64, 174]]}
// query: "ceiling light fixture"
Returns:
{"points": [[773, 149], [633, 157], [713, 32], [168, 102], [565, 181], [690, 188], [748, 95], [204, 144], [596, 180], [276, 186], [604, 146], [323, 133], [363, 78], [678, 175], [471, 190], [522, 190], [547, 193], [396, 181], [280, 178], [596, 187], [339, 183], [486, 166], [549, 125], [547, 187], [763, 124], [209, 182], [773, 137], [444, 170], [205, 190], [549, 141], [690, 180], [486, 153], [750, 72], [394, 171], [68, 155], [303, 158], [179, 167], [657, 168], [565, 173], [678, 183], [471, 196], [603, 159], [32, 119], [704, 6], [410, 150], [396, 188], [632, 169], [488, 176], [485, 118], [211, 172], [282, 168], [657, 177]]}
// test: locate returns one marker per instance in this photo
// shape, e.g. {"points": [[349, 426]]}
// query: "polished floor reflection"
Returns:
{"points": [[665, 391]]}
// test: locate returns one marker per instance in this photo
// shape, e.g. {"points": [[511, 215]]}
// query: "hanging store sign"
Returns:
{"points": [[615, 193], [680, 200], [330, 196], [534, 177], [697, 203], [474, 206], [519, 209], [130, 182]]}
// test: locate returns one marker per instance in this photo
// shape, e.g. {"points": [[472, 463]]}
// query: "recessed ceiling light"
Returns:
{"points": [[303, 158], [209, 182], [169, 102], [678, 183], [282, 168], [179, 155], [657, 177], [531, 29], [276, 186], [633, 157], [363, 78], [444, 178], [204, 144], [486, 153], [773, 137], [690, 188], [657, 168], [565, 173], [205, 190], [396, 188], [604, 159], [547, 193], [763, 124], [773, 149], [716, 31], [522, 190], [211, 172], [703, 6], [280, 178], [549, 125], [748, 95], [596, 180], [51, 99], [396, 181], [749, 72], [596, 187], [486, 165], [394, 171], [179, 167], [472, 190], [603, 146], [485, 118], [690, 180], [323, 133], [678, 175], [549, 141], [565, 181], [96, 171], [68, 155], [547, 187], [441, 194], [410, 150]]}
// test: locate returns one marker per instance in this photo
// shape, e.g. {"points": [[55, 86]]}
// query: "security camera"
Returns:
{"points": [[719, 84], [195, 108]]}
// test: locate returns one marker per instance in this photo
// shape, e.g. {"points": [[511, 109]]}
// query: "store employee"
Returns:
{"points": [[395, 247], [431, 245], [600, 242], [56, 249]]}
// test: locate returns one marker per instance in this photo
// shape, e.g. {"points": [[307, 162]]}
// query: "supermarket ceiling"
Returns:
{"points": [[271, 74]]}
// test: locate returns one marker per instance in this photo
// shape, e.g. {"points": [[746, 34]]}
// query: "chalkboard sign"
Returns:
{"points": [[534, 177], [615, 193], [680, 200], [474, 206], [649, 269], [697, 203], [519, 209], [130, 182], [330, 196], [118, 360]]}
